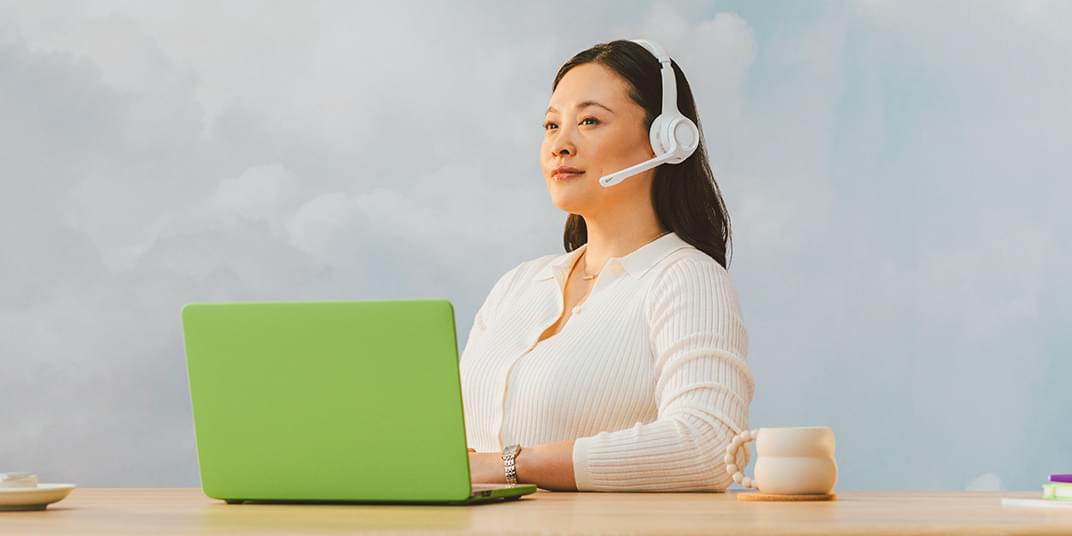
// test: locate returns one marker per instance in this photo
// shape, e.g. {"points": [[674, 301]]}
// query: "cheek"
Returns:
{"points": [[612, 145]]}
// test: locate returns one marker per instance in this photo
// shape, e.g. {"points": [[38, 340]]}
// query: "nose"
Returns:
{"points": [[563, 149], [563, 144]]}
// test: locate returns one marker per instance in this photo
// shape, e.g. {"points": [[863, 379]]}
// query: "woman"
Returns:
{"points": [[619, 365]]}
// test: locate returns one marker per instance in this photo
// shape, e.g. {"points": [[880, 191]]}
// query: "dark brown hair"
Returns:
{"points": [[686, 198]]}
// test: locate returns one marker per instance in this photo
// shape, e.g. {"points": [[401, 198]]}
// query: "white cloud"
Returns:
{"points": [[260, 193], [324, 222]]}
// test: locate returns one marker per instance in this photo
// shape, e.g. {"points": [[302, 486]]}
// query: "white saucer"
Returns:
{"points": [[32, 498]]}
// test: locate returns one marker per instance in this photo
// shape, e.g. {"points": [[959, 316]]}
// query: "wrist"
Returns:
{"points": [[524, 464]]}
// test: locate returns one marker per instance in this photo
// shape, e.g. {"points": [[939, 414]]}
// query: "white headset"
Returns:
{"points": [[673, 136]]}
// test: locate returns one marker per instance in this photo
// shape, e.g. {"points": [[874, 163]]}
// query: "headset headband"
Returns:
{"points": [[667, 72]]}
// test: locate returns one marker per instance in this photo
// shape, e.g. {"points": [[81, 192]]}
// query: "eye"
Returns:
{"points": [[590, 119], [547, 124]]}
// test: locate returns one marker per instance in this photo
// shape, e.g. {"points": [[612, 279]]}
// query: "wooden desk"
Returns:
{"points": [[188, 511]]}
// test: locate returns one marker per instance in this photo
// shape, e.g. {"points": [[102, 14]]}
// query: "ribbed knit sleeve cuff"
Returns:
{"points": [[581, 474]]}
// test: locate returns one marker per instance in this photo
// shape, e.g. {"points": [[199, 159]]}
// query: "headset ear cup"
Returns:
{"points": [[685, 135]]}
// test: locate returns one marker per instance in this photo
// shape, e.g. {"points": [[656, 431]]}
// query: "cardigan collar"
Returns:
{"points": [[636, 263]]}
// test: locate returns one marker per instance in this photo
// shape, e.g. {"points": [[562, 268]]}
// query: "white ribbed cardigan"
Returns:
{"points": [[648, 374]]}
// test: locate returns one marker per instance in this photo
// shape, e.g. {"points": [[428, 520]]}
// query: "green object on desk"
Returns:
{"points": [[329, 401], [1057, 491]]}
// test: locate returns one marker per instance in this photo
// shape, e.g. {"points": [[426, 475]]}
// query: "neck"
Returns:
{"points": [[618, 235]]}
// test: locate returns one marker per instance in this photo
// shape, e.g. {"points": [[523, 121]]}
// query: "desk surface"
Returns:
{"points": [[188, 511]]}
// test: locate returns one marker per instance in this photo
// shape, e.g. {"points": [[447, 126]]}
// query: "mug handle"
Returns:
{"points": [[731, 458]]}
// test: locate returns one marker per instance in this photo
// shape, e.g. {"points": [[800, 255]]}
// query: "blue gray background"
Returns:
{"points": [[896, 172]]}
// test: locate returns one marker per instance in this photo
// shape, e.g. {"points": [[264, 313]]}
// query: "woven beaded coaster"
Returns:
{"points": [[756, 496]]}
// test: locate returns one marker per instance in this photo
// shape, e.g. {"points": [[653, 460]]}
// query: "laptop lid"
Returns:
{"points": [[345, 400]]}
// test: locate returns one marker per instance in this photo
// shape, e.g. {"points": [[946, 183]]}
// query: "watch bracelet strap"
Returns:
{"points": [[510, 465]]}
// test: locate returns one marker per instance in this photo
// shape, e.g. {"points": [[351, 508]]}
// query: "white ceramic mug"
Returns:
{"points": [[791, 461]]}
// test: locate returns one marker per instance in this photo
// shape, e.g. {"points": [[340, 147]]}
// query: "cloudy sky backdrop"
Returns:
{"points": [[897, 175]]}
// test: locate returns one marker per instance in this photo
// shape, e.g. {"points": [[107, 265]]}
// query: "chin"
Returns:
{"points": [[569, 204], [573, 198]]}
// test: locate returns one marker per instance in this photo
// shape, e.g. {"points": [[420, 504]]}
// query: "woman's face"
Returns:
{"points": [[592, 125]]}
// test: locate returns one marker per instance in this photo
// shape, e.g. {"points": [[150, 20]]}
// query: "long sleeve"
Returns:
{"points": [[703, 390]]}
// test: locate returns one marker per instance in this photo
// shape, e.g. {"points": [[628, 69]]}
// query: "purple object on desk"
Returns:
{"points": [[1060, 478]]}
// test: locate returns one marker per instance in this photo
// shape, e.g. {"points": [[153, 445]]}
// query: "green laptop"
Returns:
{"points": [[333, 401]]}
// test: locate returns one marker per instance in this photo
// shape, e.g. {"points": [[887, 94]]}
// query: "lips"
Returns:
{"points": [[565, 172]]}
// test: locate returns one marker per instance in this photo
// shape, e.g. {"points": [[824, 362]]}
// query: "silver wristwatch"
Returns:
{"points": [[509, 455]]}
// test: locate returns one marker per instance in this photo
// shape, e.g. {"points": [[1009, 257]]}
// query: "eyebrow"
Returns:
{"points": [[582, 105]]}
